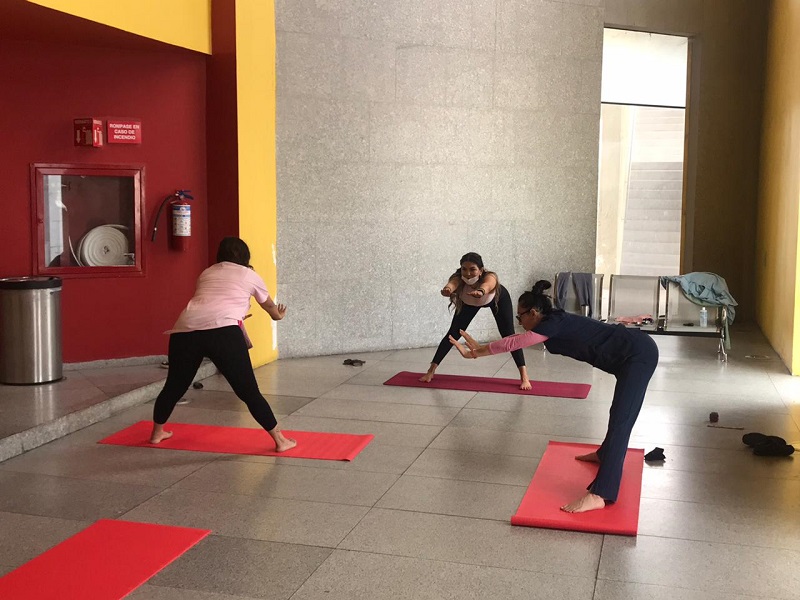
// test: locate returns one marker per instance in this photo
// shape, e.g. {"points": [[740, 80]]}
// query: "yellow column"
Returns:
{"points": [[258, 213]]}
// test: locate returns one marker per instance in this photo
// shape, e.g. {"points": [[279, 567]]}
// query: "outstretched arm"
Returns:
{"points": [[508, 344], [276, 311], [450, 287]]}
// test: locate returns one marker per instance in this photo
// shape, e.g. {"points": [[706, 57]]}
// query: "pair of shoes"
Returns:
{"points": [[767, 445], [654, 455], [355, 362]]}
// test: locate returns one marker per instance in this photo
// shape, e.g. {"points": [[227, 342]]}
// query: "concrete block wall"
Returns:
{"points": [[412, 131]]}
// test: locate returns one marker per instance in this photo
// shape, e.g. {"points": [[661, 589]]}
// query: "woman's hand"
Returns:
{"points": [[479, 293], [472, 349], [447, 291], [278, 312]]}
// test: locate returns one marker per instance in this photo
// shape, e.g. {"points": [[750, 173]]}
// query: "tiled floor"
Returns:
{"points": [[423, 512]]}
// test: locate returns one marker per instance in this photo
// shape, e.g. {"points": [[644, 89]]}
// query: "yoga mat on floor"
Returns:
{"points": [[105, 561], [243, 440], [560, 479], [492, 384]]}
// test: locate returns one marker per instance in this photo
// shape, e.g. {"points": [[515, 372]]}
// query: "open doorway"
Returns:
{"points": [[641, 164]]}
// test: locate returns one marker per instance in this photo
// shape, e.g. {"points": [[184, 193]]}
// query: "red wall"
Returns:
{"points": [[43, 88]]}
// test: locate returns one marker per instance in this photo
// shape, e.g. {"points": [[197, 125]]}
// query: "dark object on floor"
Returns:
{"points": [[655, 455], [355, 362], [197, 385], [754, 439], [773, 447], [713, 417], [767, 445], [688, 324]]}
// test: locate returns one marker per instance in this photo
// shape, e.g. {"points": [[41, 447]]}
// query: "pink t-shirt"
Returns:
{"points": [[222, 298], [515, 342]]}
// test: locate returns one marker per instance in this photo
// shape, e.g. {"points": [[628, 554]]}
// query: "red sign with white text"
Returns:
{"points": [[125, 131]]}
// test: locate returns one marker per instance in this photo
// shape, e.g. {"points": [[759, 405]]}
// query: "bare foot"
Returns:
{"points": [[427, 377], [285, 444], [591, 457], [160, 436], [525, 385], [586, 503]]}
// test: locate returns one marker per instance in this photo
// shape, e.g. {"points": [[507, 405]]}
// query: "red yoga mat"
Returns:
{"points": [[243, 440], [105, 561], [560, 479], [492, 384]]}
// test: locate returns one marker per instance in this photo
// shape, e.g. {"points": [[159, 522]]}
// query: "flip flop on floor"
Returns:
{"points": [[774, 446]]}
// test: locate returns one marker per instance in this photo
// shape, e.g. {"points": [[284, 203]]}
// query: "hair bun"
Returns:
{"points": [[540, 286]]}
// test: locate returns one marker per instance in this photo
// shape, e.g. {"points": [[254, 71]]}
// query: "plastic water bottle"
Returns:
{"points": [[703, 317]]}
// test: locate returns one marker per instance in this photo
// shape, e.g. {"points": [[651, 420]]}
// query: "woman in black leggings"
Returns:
{"points": [[212, 326], [470, 289]]}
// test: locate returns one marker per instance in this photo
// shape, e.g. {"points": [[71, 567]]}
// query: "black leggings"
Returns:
{"points": [[227, 349], [503, 312]]}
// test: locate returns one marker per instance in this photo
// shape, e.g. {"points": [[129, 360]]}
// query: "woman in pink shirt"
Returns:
{"points": [[629, 354], [211, 326]]}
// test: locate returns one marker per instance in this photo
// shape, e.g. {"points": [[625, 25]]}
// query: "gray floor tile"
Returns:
{"points": [[387, 578], [722, 489], [239, 567], [474, 466], [531, 423], [23, 537], [617, 590], [375, 458], [63, 498], [451, 497], [272, 519], [217, 400], [491, 441], [279, 481], [740, 525], [475, 541], [101, 462], [400, 395], [390, 434], [376, 411], [704, 566], [154, 592]]}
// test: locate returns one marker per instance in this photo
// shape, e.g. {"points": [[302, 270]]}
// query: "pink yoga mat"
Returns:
{"points": [[492, 384], [242, 440], [105, 561], [560, 479]]}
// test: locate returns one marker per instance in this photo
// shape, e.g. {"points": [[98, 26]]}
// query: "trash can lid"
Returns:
{"points": [[29, 283]]}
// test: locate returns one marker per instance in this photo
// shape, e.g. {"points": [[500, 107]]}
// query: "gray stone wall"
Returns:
{"points": [[412, 131]]}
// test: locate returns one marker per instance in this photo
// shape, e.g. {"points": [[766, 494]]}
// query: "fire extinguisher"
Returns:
{"points": [[181, 213]]}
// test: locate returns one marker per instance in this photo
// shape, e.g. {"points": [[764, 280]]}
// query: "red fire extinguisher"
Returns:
{"points": [[181, 213]]}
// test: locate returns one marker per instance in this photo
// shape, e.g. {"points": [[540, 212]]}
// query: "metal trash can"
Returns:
{"points": [[30, 330]]}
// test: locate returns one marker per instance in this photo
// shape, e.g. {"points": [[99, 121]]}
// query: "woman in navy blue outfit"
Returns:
{"points": [[628, 354]]}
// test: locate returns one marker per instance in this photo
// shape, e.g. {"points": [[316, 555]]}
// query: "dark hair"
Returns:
{"points": [[536, 299], [472, 257], [232, 249]]}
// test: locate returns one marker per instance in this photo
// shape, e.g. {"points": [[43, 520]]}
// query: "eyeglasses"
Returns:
{"points": [[519, 316]]}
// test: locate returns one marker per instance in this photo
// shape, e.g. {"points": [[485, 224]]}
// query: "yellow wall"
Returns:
{"points": [[777, 239], [184, 23], [258, 222]]}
